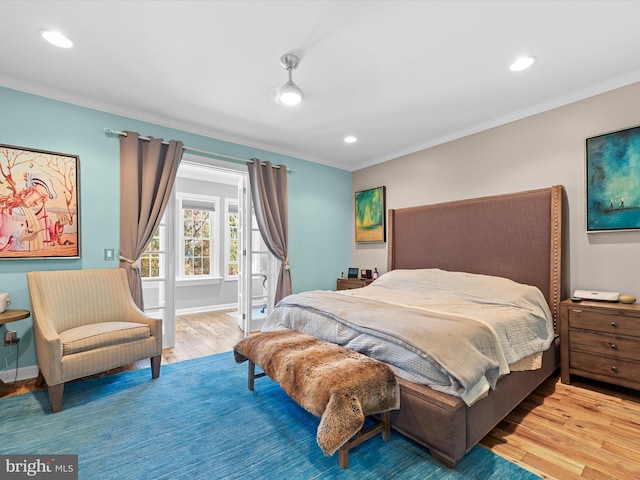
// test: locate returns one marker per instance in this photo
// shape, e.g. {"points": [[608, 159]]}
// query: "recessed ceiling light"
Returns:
{"points": [[56, 38], [350, 139], [522, 63]]}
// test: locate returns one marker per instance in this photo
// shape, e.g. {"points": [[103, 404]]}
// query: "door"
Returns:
{"points": [[158, 271], [257, 265], [244, 272], [255, 282]]}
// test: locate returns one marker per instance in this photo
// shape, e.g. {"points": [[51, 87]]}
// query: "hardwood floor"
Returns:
{"points": [[200, 334], [584, 430], [197, 335]]}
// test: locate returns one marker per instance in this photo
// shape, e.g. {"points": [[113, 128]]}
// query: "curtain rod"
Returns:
{"points": [[110, 131]]}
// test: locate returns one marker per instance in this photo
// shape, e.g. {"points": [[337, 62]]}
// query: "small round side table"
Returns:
{"points": [[6, 317]]}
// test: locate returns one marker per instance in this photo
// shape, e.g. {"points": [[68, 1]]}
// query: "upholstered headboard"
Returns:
{"points": [[517, 236]]}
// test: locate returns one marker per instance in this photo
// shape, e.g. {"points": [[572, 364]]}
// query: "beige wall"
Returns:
{"points": [[535, 152]]}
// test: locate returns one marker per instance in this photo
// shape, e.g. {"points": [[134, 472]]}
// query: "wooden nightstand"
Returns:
{"points": [[601, 341], [349, 283]]}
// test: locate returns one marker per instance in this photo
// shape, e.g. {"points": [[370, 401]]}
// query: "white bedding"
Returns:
{"points": [[402, 319]]}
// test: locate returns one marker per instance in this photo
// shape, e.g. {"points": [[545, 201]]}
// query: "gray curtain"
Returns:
{"points": [[270, 202], [147, 172]]}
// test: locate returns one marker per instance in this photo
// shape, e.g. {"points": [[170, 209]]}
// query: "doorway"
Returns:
{"points": [[207, 255]]}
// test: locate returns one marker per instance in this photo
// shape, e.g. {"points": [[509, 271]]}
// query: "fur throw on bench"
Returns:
{"points": [[338, 385]]}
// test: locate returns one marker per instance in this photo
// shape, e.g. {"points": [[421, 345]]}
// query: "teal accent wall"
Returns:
{"points": [[319, 197]]}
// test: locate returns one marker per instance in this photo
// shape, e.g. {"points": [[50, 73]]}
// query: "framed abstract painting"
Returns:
{"points": [[39, 211], [370, 215], [613, 181]]}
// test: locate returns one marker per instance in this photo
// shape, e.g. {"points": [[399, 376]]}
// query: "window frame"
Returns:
{"points": [[231, 202], [183, 199], [160, 253]]}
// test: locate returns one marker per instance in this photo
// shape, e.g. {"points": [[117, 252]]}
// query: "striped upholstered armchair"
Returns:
{"points": [[85, 322]]}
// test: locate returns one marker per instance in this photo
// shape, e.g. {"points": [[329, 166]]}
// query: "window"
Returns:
{"points": [[198, 220], [198, 246], [152, 259], [153, 270], [232, 240], [197, 242]]}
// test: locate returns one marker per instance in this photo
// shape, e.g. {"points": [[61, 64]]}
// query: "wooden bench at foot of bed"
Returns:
{"points": [[339, 385]]}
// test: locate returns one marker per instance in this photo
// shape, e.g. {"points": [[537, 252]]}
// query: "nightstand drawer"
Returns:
{"points": [[623, 371], [616, 324], [600, 344]]}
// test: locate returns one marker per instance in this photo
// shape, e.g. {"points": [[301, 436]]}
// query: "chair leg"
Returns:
{"points": [[155, 366], [55, 397], [40, 381]]}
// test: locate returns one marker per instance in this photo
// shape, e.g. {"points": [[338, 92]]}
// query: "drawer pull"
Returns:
{"points": [[614, 369], [614, 324], [613, 346]]}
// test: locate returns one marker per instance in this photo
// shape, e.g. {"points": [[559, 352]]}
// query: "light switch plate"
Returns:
{"points": [[109, 254]]}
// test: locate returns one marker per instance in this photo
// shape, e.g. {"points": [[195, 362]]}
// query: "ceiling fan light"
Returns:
{"points": [[290, 94]]}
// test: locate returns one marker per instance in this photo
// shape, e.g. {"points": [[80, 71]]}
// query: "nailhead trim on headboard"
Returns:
{"points": [[556, 251]]}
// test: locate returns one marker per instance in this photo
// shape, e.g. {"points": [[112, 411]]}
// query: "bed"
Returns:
{"points": [[514, 238]]}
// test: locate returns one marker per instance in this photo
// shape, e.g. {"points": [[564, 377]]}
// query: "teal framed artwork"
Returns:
{"points": [[370, 215], [613, 181]]}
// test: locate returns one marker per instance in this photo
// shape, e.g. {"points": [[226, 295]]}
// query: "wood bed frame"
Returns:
{"points": [[517, 236]]}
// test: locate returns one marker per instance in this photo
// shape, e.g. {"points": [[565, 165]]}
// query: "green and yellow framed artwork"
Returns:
{"points": [[370, 215]]}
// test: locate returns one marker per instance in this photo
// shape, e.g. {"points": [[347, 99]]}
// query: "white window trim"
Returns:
{"points": [[162, 252], [201, 280], [214, 260], [227, 239]]}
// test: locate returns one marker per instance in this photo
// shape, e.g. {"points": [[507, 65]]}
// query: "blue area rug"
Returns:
{"points": [[199, 421]]}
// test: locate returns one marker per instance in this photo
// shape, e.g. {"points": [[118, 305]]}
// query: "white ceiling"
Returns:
{"points": [[400, 75]]}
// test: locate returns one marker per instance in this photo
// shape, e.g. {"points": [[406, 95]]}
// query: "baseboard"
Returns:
{"points": [[24, 373], [206, 308]]}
